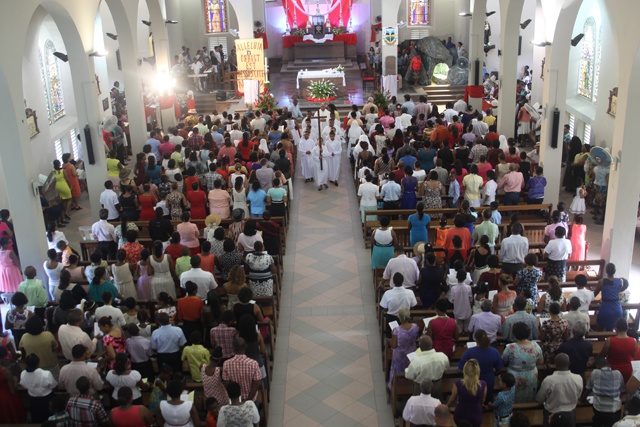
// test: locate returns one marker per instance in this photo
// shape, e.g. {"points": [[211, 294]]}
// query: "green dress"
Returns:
{"points": [[62, 186]]}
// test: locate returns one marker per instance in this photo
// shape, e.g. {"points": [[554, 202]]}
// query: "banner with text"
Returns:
{"points": [[251, 62]]}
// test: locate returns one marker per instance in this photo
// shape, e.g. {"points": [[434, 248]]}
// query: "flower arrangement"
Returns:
{"points": [[266, 101], [266, 87], [340, 68], [299, 32], [321, 91], [338, 30], [381, 98]]}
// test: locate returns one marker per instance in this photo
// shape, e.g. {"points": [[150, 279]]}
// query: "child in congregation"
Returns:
{"points": [[503, 404], [578, 237], [564, 217], [496, 217], [143, 323], [481, 290], [530, 303], [196, 355], [213, 408], [461, 296], [584, 295], [490, 189], [454, 189], [184, 262], [441, 235], [578, 205]]}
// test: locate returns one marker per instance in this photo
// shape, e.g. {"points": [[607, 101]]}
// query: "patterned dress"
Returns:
{"points": [[118, 347], [406, 344], [161, 281], [212, 385], [554, 331], [521, 361], [174, 200], [505, 303], [260, 278], [144, 283], [431, 199], [529, 278], [124, 280]]}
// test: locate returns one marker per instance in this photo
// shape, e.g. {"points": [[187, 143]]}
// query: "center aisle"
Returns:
{"points": [[328, 364]]}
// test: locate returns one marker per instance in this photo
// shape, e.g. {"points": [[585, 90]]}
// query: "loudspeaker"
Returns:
{"points": [[555, 127], [221, 95], [476, 65], [87, 138]]}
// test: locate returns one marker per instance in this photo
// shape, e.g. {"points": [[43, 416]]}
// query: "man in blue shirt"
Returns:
{"points": [[408, 104], [391, 193], [155, 145], [168, 341]]}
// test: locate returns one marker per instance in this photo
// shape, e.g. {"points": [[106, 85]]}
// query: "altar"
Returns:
{"points": [[336, 48], [306, 77]]}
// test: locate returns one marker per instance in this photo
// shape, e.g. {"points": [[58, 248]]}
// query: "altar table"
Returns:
{"points": [[348, 39], [306, 77]]}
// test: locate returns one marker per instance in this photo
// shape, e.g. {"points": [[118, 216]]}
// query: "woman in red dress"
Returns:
{"points": [[72, 177], [11, 408], [147, 204], [198, 200], [443, 329], [619, 350]]}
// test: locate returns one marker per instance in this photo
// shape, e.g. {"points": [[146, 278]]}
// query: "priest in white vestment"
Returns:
{"points": [[334, 148], [308, 164], [321, 157]]}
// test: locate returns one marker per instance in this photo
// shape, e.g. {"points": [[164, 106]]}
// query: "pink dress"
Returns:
{"points": [[578, 242], [10, 275], [144, 283]]}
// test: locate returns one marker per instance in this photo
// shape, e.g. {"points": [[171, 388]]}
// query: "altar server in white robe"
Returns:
{"points": [[324, 115], [305, 148], [321, 157], [334, 148], [355, 132], [311, 125]]}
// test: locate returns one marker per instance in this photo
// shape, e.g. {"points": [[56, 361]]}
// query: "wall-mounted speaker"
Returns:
{"points": [[88, 140], [555, 127]]}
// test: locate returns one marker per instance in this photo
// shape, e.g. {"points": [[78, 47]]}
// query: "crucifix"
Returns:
{"points": [[320, 139]]}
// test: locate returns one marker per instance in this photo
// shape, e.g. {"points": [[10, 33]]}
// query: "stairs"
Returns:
{"points": [[441, 94], [206, 102]]}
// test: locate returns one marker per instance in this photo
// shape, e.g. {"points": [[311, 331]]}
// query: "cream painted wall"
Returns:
{"points": [[585, 111]]}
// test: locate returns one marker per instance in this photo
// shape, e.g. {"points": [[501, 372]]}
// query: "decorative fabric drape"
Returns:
{"points": [[301, 18]]}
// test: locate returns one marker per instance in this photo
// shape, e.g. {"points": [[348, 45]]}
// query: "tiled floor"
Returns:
{"points": [[327, 362]]}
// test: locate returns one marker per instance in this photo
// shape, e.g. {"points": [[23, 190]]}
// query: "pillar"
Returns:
{"points": [[135, 104], [475, 47], [24, 204], [390, 10], [244, 12], [618, 234], [510, 13]]}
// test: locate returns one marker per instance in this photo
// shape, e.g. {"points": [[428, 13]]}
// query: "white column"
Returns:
{"points": [[618, 236], [244, 12], [390, 10], [509, 34], [475, 47], [135, 104], [23, 203]]}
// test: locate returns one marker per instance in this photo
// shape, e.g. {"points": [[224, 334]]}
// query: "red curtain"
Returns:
{"points": [[301, 18]]}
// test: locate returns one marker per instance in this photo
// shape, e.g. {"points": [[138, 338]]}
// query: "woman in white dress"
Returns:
{"points": [[53, 268], [162, 280], [122, 276], [54, 236], [240, 196], [175, 412]]}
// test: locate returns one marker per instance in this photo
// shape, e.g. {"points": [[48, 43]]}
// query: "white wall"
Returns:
{"points": [[585, 111], [42, 145]]}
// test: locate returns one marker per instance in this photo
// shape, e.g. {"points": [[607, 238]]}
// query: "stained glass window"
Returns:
{"points": [[44, 85], [588, 59], [54, 85], [419, 12], [215, 16]]}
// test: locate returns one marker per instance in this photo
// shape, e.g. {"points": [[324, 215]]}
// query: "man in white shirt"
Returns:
{"points": [[174, 138], [395, 299], [258, 122], [105, 234], [405, 118], [584, 295], [109, 201], [295, 111], [449, 112], [78, 367], [560, 391], [558, 251], [71, 334], [324, 115], [427, 365], [487, 321], [460, 106], [575, 316], [513, 249], [203, 279], [420, 410], [108, 310], [368, 193], [236, 134], [403, 265], [632, 407]]}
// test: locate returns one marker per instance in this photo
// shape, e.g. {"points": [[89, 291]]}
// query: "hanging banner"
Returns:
{"points": [[250, 54], [390, 35]]}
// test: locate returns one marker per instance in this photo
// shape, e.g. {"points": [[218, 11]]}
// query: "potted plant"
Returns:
{"points": [[322, 91], [381, 98]]}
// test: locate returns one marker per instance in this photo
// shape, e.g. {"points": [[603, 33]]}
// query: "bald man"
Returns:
{"points": [[443, 416], [559, 392], [420, 410], [428, 364]]}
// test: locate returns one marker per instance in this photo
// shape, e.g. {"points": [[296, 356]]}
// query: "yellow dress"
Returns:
{"points": [[112, 167], [62, 187]]}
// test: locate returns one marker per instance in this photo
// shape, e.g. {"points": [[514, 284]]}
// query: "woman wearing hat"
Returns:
{"points": [[211, 222]]}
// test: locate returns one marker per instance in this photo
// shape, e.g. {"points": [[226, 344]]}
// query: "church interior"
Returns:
{"points": [[573, 62]]}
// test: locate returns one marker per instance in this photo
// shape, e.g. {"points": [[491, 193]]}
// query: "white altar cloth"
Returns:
{"points": [[251, 91], [310, 37], [320, 74]]}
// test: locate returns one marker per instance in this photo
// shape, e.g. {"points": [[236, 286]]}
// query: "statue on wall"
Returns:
{"points": [[32, 122], [487, 32], [613, 102]]}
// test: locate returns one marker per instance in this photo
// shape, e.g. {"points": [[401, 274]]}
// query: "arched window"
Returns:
{"points": [[54, 95], [215, 13], [419, 12], [589, 58]]}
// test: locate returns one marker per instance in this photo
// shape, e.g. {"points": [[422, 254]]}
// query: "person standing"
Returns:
{"points": [[71, 174], [109, 201], [334, 151], [105, 234], [606, 384], [321, 165], [62, 187], [168, 342], [560, 391], [10, 275]]}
